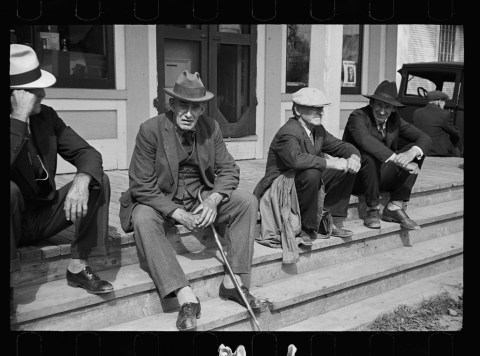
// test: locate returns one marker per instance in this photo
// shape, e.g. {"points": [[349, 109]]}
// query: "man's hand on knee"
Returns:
{"points": [[353, 164], [76, 202], [208, 209], [187, 219]]}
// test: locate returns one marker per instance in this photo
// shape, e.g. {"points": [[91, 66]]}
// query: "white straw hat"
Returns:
{"points": [[25, 69]]}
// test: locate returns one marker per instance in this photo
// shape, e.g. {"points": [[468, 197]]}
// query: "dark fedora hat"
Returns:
{"points": [[189, 87], [386, 92]]}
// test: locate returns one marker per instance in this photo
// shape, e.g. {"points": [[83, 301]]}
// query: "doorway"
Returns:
{"points": [[225, 58]]}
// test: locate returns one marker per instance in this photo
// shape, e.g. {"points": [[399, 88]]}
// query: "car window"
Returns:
{"points": [[415, 82], [448, 88]]}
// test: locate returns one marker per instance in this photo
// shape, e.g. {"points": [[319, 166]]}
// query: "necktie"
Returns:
{"points": [[381, 128], [34, 157]]}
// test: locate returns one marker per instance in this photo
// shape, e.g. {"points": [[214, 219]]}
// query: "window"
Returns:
{"points": [[351, 77], [298, 57], [446, 46], [79, 56]]}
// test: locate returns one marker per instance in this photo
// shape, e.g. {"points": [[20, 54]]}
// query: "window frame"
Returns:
{"points": [[357, 89]]}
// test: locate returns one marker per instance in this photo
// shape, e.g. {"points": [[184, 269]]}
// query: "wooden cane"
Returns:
{"points": [[235, 282]]}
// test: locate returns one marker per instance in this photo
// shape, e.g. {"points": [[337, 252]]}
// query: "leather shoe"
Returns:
{"points": [[307, 236], [340, 232], [188, 315], [372, 220], [232, 294], [399, 216], [88, 280]]}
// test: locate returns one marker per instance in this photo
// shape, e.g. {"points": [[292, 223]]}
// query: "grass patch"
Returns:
{"points": [[441, 312]]}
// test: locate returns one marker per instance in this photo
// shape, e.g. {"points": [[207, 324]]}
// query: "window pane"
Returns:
{"points": [[180, 55], [233, 81], [415, 82], [79, 56], [298, 57], [351, 57]]}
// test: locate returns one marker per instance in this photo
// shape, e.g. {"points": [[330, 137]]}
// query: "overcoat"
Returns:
{"points": [[438, 124], [153, 171]]}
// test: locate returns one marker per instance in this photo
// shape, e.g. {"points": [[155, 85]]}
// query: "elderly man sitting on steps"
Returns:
{"points": [[318, 159]]}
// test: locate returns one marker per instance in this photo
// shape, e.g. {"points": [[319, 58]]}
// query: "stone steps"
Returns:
{"points": [[367, 310], [53, 305], [48, 261], [298, 297]]}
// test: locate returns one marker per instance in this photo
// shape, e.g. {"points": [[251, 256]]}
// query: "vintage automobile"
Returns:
{"points": [[418, 78]]}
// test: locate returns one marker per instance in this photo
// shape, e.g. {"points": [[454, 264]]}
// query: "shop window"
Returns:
{"points": [[79, 56], [298, 57], [351, 77]]}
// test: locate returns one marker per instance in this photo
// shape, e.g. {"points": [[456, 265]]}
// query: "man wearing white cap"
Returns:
{"points": [[37, 210], [317, 157], [437, 122]]}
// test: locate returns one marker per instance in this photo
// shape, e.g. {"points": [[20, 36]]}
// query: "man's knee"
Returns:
{"points": [[309, 177], [142, 215], [105, 181], [245, 199]]}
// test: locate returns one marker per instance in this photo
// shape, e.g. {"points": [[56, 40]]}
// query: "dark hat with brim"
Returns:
{"points": [[386, 92], [189, 87]]}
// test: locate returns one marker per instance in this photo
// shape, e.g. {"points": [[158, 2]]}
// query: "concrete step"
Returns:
{"points": [[356, 315], [426, 191], [46, 262], [298, 297], [52, 304]]}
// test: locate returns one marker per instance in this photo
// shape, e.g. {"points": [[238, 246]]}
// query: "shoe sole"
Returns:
{"points": [[255, 310], [372, 227], [78, 285], [387, 219]]}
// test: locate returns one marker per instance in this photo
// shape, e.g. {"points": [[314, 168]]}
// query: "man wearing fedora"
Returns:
{"points": [[38, 210], [375, 130], [318, 158], [176, 154], [437, 122]]}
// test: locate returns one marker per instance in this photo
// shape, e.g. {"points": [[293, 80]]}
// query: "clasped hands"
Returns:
{"points": [[350, 165], [404, 160], [202, 216]]}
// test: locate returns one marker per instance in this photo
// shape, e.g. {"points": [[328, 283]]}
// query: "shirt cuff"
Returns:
{"points": [[391, 157], [420, 152]]}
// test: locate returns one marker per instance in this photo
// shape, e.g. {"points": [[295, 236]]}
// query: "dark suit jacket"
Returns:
{"points": [[153, 172], [361, 131], [291, 148], [438, 124], [51, 136]]}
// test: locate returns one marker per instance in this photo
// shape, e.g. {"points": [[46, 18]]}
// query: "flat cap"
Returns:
{"points": [[436, 95], [310, 97]]}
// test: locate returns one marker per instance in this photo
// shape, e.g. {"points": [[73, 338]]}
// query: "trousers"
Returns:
{"points": [[149, 226], [32, 222], [375, 176], [338, 187]]}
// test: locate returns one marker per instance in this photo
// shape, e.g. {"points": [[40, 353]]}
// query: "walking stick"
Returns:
{"points": [[235, 282]]}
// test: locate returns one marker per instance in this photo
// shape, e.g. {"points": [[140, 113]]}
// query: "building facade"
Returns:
{"points": [[111, 77]]}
